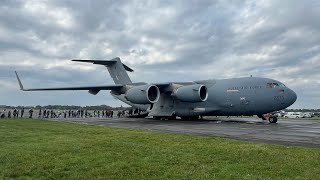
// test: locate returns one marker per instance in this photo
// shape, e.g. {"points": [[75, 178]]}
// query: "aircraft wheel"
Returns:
{"points": [[189, 117], [173, 117], [195, 117], [185, 118], [273, 119]]}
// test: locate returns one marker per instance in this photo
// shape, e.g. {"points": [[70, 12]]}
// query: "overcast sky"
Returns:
{"points": [[161, 40]]}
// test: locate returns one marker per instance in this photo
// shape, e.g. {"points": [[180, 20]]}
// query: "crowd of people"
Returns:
{"points": [[50, 113], [15, 113]]}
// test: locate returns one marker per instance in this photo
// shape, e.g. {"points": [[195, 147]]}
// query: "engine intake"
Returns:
{"points": [[192, 93], [145, 94]]}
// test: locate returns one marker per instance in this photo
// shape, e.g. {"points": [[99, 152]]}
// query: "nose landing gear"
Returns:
{"points": [[271, 119]]}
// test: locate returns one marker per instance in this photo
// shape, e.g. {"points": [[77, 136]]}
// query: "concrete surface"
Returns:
{"points": [[298, 132]]}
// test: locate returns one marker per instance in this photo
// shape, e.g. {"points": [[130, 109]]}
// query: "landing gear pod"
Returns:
{"points": [[145, 94], [191, 93]]}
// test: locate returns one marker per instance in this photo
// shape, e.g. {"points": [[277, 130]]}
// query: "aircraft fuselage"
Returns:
{"points": [[227, 97]]}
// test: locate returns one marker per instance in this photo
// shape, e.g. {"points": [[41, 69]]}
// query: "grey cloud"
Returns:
{"points": [[177, 39]]}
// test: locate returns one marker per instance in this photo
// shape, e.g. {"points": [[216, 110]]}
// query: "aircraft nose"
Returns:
{"points": [[292, 96]]}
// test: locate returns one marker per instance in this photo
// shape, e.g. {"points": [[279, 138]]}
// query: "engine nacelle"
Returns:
{"points": [[192, 93], [145, 94]]}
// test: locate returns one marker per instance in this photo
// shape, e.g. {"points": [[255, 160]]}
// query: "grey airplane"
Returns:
{"points": [[191, 100]]}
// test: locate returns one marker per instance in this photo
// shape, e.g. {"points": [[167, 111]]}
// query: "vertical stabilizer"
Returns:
{"points": [[116, 69], [118, 72]]}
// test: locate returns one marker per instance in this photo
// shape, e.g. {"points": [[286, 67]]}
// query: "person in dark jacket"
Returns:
{"points": [[40, 113], [30, 113], [22, 112], [9, 114]]}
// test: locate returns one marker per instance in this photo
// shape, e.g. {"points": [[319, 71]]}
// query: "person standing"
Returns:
{"points": [[22, 112], [82, 113], [9, 114], [3, 115], [14, 113], [44, 113], [40, 113], [30, 113]]}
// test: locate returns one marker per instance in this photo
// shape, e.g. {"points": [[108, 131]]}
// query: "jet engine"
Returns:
{"points": [[191, 93], [144, 94]]}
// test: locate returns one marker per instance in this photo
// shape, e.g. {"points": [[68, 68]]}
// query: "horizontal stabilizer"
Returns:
{"points": [[105, 62]]}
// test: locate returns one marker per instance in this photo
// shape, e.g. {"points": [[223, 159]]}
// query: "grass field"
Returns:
{"points": [[38, 149]]}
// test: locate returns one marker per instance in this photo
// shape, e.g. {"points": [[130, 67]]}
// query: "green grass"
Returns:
{"points": [[37, 149]]}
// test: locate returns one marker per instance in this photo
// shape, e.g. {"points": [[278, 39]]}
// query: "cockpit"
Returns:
{"points": [[275, 84]]}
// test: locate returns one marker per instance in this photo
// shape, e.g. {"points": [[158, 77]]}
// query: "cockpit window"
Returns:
{"points": [[273, 85], [282, 85]]}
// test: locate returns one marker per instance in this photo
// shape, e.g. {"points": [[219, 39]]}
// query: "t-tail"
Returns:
{"points": [[116, 69]]}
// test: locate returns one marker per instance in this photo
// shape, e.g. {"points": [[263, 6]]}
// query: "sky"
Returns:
{"points": [[161, 40]]}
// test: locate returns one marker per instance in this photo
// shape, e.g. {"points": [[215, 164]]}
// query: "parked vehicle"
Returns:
{"points": [[316, 114], [294, 115], [307, 115]]}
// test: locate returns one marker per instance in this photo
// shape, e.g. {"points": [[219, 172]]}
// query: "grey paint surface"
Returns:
{"points": [[287, 132]]}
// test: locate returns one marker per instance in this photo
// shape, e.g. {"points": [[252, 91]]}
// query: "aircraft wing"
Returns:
{"points": [[168, 86], [92, 89]]}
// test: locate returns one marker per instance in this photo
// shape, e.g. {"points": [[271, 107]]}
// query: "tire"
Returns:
{"points": [[273, 119], [188, 118]]}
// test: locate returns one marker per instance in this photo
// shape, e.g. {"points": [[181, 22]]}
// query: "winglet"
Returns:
{"points": [[19, 81]]}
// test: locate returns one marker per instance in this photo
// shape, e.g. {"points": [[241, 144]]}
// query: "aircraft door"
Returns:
{"points": [[232, 103]]}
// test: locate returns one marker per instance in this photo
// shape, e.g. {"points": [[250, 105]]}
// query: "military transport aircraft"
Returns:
{"points": [[191, 100]]}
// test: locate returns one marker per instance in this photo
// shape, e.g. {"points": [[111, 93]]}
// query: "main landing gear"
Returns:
{"points": [[272, 119], [173, 117]]}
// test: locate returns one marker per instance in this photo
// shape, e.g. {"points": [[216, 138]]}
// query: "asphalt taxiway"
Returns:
{"points": [[287, 132]]}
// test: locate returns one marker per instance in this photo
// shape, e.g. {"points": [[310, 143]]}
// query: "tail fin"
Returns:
{"points": [[116, 69]]}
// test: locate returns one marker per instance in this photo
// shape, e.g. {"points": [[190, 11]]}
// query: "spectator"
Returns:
{"points": [[22, 112], [30, 113], [9, 114]]}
